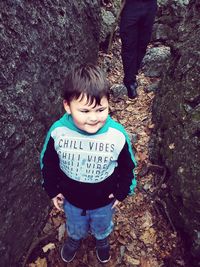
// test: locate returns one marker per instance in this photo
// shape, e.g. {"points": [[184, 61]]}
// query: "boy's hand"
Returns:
{"points": [[116, 201], [58, 201]]}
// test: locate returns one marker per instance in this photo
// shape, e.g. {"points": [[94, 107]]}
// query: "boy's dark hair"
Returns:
{"points": [[86, 80]]}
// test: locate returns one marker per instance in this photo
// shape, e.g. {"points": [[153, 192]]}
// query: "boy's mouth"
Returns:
{"points": [[92, 124]]}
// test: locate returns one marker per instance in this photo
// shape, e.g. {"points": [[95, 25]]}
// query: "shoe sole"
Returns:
{"points": [[65, 259], [105, 261]]}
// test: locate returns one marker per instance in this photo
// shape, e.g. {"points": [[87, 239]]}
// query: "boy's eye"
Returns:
{"points": [[98, 110], [101, 109]]}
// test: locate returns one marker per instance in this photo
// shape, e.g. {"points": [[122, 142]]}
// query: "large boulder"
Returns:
{"points": [[170, 15], [176, 114], [40, 42], [156, 61]]}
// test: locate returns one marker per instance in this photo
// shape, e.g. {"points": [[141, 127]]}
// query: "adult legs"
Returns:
{"points": [[135, 30], [129, 38], [145, 29]]}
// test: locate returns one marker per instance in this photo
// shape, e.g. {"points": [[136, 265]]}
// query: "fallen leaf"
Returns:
{"points": [[147, 220], [151, 126], [61, 231], [132, 234], [40, 262], [149, 262], [172, 146], [121, 240], [131, 260], [47, 247], [149, 236], [145, 262], [130, 247], [142, 156]]}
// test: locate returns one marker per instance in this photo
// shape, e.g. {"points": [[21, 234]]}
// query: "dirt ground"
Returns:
{"points": [[143, 234]]}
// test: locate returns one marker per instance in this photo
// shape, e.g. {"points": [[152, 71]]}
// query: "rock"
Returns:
{"points": [[176, 114], [170, 14], [156, 61], [118, 90], [40, 42], [108, 21], [152, 87], [161, 32]]}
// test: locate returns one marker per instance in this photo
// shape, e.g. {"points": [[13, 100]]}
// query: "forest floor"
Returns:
{"points": [[143, 234]]}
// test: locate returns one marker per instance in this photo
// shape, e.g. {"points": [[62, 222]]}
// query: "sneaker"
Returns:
{"points": [[68, 251], [103, 250]]}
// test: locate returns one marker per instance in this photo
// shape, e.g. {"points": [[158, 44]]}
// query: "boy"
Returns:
{"points": [[87, 162]]}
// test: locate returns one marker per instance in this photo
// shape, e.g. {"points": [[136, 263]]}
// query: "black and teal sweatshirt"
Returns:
{"points": [[87, 168]]}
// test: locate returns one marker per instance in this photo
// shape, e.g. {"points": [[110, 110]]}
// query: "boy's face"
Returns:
{"points": [[87, 117]]}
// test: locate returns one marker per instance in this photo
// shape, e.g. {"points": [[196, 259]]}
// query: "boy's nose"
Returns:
{"points": [[93, 117]]}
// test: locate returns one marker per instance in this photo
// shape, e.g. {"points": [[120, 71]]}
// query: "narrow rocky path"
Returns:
{"points": [[143, 234]]}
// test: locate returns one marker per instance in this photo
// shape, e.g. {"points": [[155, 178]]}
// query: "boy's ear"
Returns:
{"points": [[66, 106]]}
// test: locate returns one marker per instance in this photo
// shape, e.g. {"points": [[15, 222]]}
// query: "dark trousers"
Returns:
{"points": [[136, 24]]}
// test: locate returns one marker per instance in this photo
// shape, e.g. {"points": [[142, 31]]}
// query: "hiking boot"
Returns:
{"points": [[68, 251], [103, 250]]}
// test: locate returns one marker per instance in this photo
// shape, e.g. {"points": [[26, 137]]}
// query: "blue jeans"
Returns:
{"points": [[98, 221]]}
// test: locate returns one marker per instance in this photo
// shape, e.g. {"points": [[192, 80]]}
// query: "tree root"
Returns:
{"points": [[158, 201], [155, 199]]}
